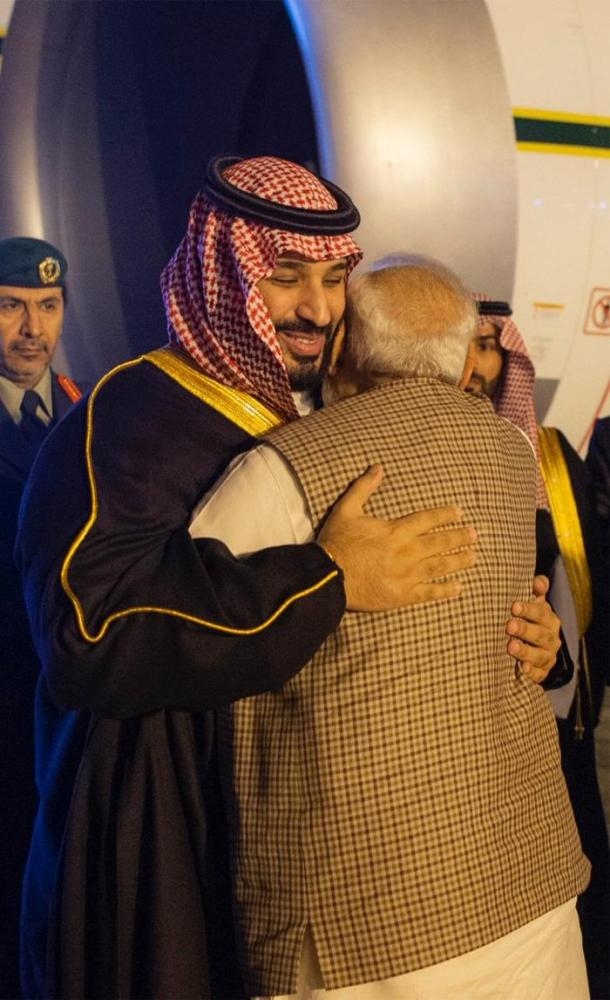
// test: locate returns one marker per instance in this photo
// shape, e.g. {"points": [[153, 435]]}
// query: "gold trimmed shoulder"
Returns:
{"points": [[566, 521], [237, 406]]}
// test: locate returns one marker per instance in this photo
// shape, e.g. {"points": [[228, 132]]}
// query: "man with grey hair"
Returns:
{"points": [[392, 332], [399, 821]]}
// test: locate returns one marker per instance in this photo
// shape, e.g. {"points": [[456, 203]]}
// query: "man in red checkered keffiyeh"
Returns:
{"points": [[216, 306], [145, 628], [504, 371]]}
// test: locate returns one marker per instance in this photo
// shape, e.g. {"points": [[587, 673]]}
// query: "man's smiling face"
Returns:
{"points": [[306, 302]]}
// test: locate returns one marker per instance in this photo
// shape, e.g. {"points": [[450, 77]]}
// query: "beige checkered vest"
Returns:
{"points": [[403, 794]]}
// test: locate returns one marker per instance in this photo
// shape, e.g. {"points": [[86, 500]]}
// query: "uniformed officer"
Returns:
{"points": [[32, 399]]}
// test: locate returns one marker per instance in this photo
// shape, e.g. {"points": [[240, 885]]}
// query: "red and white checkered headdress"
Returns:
{"points": [[514, 396], [214, 309]]}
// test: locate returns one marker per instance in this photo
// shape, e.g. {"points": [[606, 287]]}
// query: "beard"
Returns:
{"points": [[307, 373], [305, 379], [486, 387]]}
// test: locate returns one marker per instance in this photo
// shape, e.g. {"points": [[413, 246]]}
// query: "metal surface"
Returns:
{"points": [[414, 120]]}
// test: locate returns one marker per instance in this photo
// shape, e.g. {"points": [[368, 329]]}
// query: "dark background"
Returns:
{"points": [[131, 99]]}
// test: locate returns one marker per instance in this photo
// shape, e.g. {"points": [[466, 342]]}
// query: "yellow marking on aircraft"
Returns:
{"points": [[540, 114], [552, 147]]}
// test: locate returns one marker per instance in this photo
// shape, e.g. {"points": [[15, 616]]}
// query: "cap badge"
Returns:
{"points": [[49, 270]]}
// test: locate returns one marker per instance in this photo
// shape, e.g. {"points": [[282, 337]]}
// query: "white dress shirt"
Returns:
{"points": [[257, 503], [12, 395]]}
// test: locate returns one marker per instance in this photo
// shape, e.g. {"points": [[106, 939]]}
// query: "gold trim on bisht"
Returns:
{"points": [[248, 414], [566, 523], [237, 406]]}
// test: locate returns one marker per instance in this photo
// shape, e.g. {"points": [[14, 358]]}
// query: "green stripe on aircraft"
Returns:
{"points": [[562, 133]]}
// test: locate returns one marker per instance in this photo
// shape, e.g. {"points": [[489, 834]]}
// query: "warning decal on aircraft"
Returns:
{"points": [[598, 313]]}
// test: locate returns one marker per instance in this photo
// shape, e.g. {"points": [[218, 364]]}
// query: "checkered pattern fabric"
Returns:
{"points": [[403, 794], [514, 398], [284, 182], [214, 308]]}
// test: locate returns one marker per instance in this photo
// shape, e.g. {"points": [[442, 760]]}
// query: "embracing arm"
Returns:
{"points": [[128, 613]]}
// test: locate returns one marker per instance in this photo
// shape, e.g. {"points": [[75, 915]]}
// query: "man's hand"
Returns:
{"points": [[535, 629], [390, 564]]}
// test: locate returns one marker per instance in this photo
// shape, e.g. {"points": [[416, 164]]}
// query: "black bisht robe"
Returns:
{"points": [[126, 890], [578, 748]]}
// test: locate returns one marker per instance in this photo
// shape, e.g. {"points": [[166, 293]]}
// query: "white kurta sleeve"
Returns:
{"points": [[256, 504]]}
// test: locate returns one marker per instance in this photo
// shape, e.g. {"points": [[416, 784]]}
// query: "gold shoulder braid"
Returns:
{"points": [[566, 523], [237, 406], [572, 547]]}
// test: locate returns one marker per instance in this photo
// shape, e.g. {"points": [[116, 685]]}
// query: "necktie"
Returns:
{"points": [[32, 427]]}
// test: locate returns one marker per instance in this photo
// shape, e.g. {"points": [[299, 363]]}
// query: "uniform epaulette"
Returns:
{"points": [[70, 388]]}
